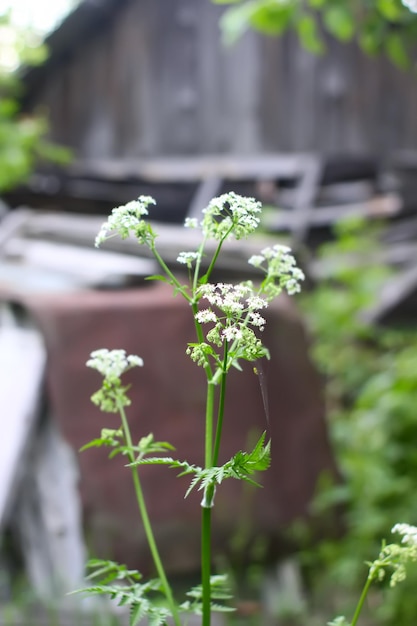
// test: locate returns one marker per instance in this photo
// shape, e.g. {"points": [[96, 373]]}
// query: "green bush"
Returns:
{"points": [[371, 375], [22, 137]]}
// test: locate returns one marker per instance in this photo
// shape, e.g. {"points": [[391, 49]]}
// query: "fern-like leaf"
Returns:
{"points": [[219, 592]]}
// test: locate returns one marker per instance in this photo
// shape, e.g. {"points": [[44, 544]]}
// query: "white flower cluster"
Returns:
{"points": [[408, 532], [410, 4], [234, 301], [191, 222], [113, 363], [231, 215], [240, 307], [396, 556], [188, 258], [126, 219], [280, 268]]}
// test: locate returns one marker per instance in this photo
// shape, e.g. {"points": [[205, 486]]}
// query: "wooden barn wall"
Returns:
{"points": [[158, 81]]}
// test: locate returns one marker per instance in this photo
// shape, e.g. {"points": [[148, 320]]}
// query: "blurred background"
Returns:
{"points": [[309, 106]]}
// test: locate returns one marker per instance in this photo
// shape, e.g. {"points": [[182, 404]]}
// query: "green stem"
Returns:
{"points": [[361, 600], [170, 275], [198, 265], [206, 564], [216, 254], [209, 425], [206, 512], [200, 338], [220, 412], [146, 522]]}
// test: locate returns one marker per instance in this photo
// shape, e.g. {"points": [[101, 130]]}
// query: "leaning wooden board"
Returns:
{"points": [[22, 364]]}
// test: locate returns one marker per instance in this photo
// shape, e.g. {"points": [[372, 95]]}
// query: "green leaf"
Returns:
{"points": [[108, 571], [8, 107], [240, 467], [160, 277], [339, 621], [235, 22], [396, 51], [219, 590], [389, 10], [272, 17], [137, 611], [369, 43], [147, 445], [109, 437], [184, 466], [339, 22], [308, 34]]}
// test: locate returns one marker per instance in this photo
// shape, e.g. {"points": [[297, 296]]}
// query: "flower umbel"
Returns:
{"points": [[188, 258], [226, 329], [111, 364], [396, 557], [236, 308], [128, 219], [231, 215], [281, 271]]}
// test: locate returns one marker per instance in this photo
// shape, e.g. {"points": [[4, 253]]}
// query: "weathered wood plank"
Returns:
{"points": [[22, 362], [47, 518], [92, 265], [393, 294], [152, 78], [196, 168], [374, 208], [81, 230]]}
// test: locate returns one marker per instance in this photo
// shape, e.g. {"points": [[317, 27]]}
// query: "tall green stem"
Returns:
{"points": [[170, 275], [209, 425], [361, 601], [206, 564], [220, 412], [146, 522], [198, 265], [206, 511]]}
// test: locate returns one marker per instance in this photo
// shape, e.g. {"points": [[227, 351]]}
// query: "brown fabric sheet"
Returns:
{"points": [[168, 396]]}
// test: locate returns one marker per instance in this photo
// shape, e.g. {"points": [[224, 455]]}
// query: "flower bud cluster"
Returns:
{"points": [[188, 258], [231, 215], [236, 308], [238, 302], [111, 364], [395, 556], [128, 219], [281, 271]]}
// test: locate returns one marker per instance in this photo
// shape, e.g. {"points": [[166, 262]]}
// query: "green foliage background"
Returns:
{"points": [[378, 26], [22, 137], [371, 375]]}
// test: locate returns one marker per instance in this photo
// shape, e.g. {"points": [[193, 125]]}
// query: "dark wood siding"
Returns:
{"points": [[156, 80]]}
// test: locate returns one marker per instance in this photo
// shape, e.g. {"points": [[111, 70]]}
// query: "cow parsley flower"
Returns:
{"points": [[111, 364], [236, 309], [230, 333], [410, 4], [128, 219], [231, 215], [188, 258], [227, 297], [408, 532], [281, 271], [257, 320], [205, 316], [255, 303], [191, 222], [395, 557]]}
